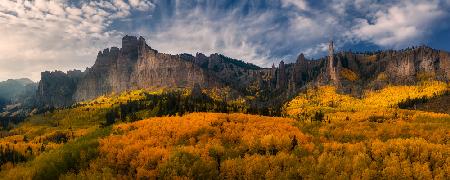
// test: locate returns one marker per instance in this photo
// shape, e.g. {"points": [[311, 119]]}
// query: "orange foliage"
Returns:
{"points": [[145, 145]]}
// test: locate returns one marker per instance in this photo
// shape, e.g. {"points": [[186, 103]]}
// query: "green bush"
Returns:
{"points": [[72, 156]]}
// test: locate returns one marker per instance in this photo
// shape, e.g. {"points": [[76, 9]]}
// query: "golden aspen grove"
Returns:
{"points": [[323, 135]]}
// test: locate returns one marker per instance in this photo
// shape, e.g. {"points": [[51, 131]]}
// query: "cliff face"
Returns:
{"points": [[137, 66], [281, 76], [57, 88], [408, 65], [398, 67]]}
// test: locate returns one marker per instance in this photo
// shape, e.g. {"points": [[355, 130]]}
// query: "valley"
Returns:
{"points": [[141, 114], [320, 130]]}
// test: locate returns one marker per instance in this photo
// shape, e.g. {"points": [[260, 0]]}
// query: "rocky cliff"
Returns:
{"points": [[137, 66], [375, 70], [57, 88]]}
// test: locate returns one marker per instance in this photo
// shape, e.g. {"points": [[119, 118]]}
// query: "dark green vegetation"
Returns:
{"points": [[168, 103], [440, 104], [240, 63], [175, 102], [8, 154], [71, 157]]}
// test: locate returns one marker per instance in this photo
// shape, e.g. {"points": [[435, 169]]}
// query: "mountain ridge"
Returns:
{"points": [[12, 90], [137, 66]]}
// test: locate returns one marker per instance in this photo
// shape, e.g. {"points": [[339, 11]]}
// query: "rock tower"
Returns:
{"points": [[281, 76], [331, 68]]}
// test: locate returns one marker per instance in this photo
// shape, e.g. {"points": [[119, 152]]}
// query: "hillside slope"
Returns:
{"points": [[239, 146], [335, 135]]}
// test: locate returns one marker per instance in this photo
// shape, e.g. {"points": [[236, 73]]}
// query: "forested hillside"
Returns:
{"points": [[325, 135]]}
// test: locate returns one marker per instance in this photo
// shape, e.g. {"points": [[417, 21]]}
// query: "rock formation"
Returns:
{"points": [[400, 67], [281, 76], [56, 88], [137, 66], [331, 65]]}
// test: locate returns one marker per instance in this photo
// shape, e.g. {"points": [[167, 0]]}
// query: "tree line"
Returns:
{"points": [[176, 103]]}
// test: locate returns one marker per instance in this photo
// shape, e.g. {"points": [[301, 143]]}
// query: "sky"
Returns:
{"points": [[40, 35]]}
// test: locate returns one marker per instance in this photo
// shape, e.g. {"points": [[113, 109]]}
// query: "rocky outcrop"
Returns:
{"points": [[137, 66], [374, 70], [299, 69], [95, 83], [332, 66], [281, 76], [57, 88], [444, 65]]}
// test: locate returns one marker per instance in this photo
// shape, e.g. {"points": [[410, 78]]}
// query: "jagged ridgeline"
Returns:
{"points": [[16, 100], [137, 66]]}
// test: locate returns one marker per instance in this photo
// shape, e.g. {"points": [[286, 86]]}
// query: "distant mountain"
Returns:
{"points": [[14, 89], [137, 66], [17, 100]]}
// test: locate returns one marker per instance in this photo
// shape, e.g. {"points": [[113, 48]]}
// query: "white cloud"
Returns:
{"points": [[48, 35], [55, 8], [88, 10], [399, 25], [141, 4], [121, 5], [258, 37], [73, 11], [322, 47], [308, 28], [300, 4]]}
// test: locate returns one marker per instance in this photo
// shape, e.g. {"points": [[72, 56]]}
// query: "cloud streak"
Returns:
{"points": [[46, 35]]}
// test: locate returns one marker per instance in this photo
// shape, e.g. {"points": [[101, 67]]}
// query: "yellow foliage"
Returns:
{"points": [[108, 101], [392, 95], [349, 74], [152, 141], [325, 98]]}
